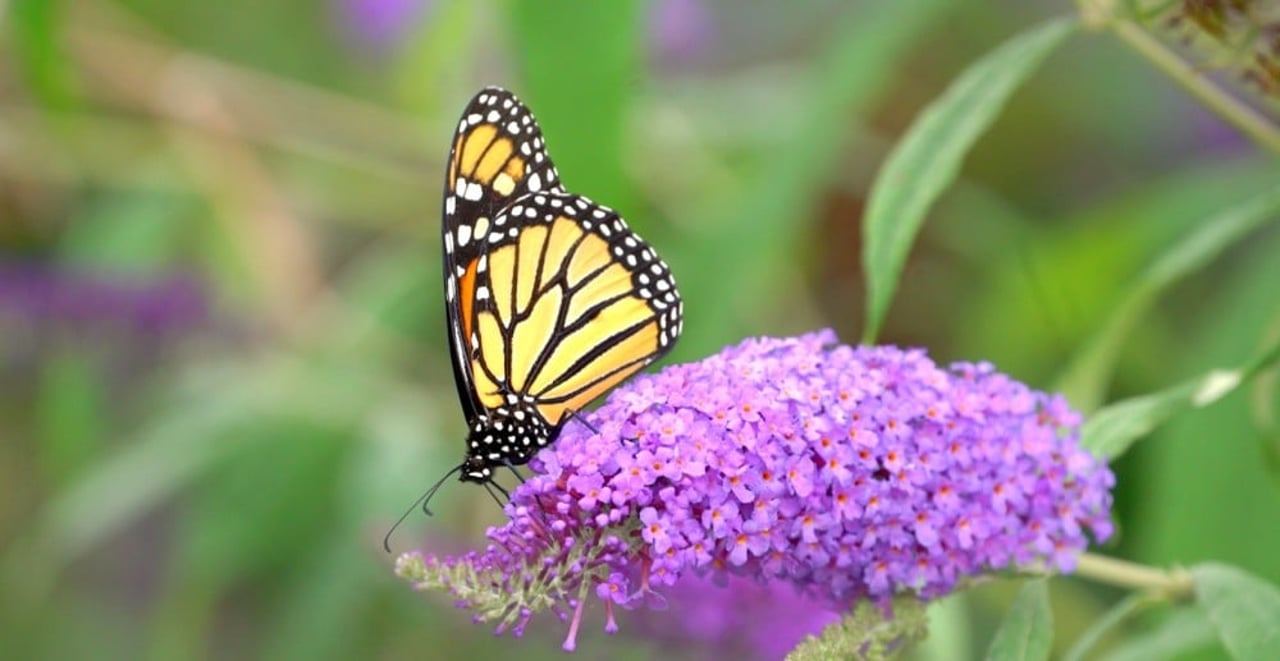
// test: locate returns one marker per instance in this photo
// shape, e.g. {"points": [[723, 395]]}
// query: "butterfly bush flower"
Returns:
{"points": [[851, 473]]}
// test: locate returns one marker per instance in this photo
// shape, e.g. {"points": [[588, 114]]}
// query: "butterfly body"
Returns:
{"points": [[508, 435], [551, 299]]}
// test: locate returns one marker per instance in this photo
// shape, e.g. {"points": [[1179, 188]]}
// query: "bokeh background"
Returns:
{"points": [[223, 372]]}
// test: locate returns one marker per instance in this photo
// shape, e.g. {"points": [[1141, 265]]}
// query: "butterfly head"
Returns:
{"points": [[475, 469]]}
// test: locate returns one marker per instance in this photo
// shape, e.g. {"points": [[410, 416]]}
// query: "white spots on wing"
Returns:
{"points": [[482, 293], [482, 226], [513, 128], [493, 116], [504, 185], [473, 191], [464, 235], [448, 243], [535, 182], [450, 205]]}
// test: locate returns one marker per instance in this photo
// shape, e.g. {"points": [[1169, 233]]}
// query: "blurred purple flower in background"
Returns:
{"points": [[742, 619], [379, 26], [850, 473], [679, 29], [41, 303]]}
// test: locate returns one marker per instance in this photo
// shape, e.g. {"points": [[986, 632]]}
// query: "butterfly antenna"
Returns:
{"points": [[425, 498]]}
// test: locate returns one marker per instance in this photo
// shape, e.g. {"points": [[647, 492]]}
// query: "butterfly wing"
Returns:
{"points": [[498, 155], [568, 303]]}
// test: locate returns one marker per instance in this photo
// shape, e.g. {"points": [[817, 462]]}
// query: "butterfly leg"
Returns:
{"points": [[490, 486], [512, 468], [574, 414]]}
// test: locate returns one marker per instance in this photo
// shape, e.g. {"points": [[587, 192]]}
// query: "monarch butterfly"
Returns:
{"points": [[550, 299]]}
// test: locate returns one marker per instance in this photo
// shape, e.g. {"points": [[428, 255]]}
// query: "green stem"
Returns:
{"points": [[1243, 117], [1176, 583]]}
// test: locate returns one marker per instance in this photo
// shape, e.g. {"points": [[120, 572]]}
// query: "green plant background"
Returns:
{"points": [[223, 494]]}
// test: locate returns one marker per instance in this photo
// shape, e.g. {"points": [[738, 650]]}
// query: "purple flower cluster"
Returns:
{"points": [[850, 472]]}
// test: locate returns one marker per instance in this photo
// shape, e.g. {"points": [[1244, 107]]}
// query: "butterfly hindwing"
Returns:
{"points": [[498, 155], [568, 303]]}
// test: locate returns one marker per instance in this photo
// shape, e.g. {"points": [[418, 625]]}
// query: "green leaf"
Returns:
{"points": [[1027, 630], [1244, 609], [580, 66], [1183, 632], [1109, 622], [68, 412], [1114, 428], [39, 51], [129, 231], [951, 631], [1085, 381], [928, 158]]}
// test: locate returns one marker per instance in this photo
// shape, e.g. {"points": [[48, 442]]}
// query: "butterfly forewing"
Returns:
{"points": [[498, 154]]}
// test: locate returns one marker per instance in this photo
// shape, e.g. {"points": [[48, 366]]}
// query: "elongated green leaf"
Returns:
{"points": [[1111, 430], [928, 158], [580, 65], [39, 52], [1184, 631], [1244, 609], [1027, 630], [1085, 380], [68, 410], [1109, 622]]}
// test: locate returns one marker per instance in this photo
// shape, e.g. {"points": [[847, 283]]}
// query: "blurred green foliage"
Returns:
{"points": [[212, 479]]}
